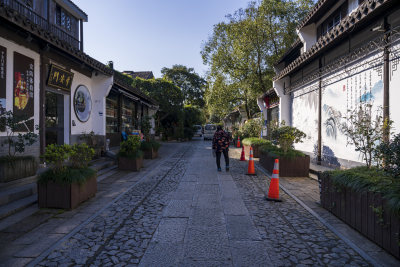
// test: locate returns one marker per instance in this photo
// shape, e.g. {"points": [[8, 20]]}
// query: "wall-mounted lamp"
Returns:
{"points": [[378, 28]]}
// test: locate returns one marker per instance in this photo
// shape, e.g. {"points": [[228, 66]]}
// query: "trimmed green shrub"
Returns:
{"points": [[251, 128], [364, 179], [130, 148], [68, 176], [254, 141], [277, 151], [148, 145]]}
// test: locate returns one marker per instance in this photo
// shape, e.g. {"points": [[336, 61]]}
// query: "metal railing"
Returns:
{"points": [[43, 23]]}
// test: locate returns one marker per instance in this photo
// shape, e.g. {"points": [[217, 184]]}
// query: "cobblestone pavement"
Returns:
{"points": [[188, 214]]}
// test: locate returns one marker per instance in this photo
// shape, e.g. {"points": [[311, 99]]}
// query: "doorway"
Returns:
{"points": [[54, 118]]}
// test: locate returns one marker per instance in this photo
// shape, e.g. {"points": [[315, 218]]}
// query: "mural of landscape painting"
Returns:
{"points": [[346, 95], [305, 118]]}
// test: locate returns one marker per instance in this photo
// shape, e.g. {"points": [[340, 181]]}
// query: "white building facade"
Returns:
{"points": [[348, 55]]}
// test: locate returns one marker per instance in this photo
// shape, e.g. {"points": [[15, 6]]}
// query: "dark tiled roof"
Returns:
{"points": [[362, 12], [126, 82], [16, 18], [141, 74], [312, 13], [295, 45], [72, 3]]}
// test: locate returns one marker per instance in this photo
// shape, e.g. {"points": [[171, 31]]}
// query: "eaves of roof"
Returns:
{"points": [[295, 45], [317, 7], [17, 19], [362, 13]]}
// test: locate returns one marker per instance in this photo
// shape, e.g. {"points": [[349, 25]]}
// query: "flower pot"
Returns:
{"points": [[150, 154], [17, 168], [288, 167], [65, 196], [130, 164]]}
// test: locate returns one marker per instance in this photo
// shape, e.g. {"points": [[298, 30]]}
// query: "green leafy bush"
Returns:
{"points": [[389, 156], [12, 124], [148, 145], [364, 179], [57, 155], [131, 147], [252, 128], [287, 136], [254, 141], [80, 155]]}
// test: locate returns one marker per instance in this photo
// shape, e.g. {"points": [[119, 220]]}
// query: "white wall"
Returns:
{"points": [[285, 103], [305, 117], [308, 36], [394, 91], [98, 86], [11, 48]]}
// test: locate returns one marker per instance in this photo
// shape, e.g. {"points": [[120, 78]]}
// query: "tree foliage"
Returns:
{"points": [[242, 51], [190, 83]]}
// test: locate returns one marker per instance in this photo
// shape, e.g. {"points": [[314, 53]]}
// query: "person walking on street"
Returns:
{"points": [[220, 145]]}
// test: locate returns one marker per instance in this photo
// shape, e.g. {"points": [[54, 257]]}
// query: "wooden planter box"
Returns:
{"points": [[17, 169], [366, 212], [256, 152], [66, 196], [150, 154], [293, 167], [129, 164]]}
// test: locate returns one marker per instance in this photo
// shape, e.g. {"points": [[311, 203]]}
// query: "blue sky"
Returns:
{"points": [[142, 35]]}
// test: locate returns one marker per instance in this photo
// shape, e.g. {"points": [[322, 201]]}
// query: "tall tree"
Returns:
{"points": [[169, 97], [244, 49], [191, 84]]}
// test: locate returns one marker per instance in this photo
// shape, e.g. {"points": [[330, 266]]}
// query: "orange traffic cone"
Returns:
{"points": [[250, 169], [242, 157], [238, 142], [273, 192]]}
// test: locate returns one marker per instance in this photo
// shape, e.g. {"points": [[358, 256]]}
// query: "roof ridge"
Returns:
{"points": [[365, 9]]}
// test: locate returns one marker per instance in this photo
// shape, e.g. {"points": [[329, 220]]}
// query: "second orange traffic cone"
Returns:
{"points": [[242, 157], [273, 192], [238, 142], [250, 169]]}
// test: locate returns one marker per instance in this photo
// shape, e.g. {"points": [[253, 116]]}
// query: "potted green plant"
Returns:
{"points": [[130, 157], [150, 149], [69, 181], [255, 143], [292, 163], [12, 166]]}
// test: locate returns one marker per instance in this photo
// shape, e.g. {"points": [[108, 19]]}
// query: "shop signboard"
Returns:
{"points": [[82, 103], [3, 75], [23, 90], [60, 78]]}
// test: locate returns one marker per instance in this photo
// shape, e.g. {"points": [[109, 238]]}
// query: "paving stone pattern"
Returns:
{"points": [[185, 213], [120, 235], [295, 236]]}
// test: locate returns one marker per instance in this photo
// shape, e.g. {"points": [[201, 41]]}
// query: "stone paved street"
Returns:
{"points": [[185, 213]]}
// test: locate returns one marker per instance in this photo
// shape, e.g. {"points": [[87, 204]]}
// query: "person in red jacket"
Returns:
{"points": [[220, 145]]}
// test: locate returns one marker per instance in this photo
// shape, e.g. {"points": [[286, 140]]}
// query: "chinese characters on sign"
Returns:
{"points": [[60, 78], [3, 73], [24, 90]]}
